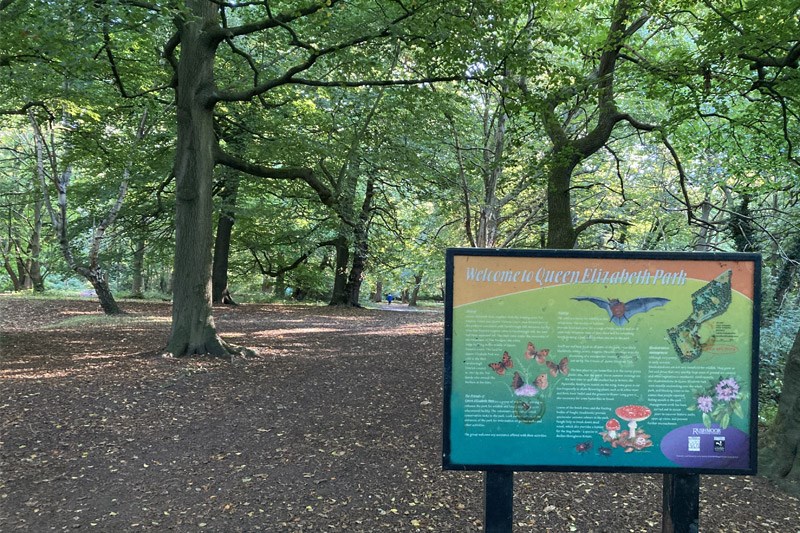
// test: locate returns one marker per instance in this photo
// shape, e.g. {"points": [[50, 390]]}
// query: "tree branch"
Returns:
{"points": [[271, 22], [25, 108], [326, 196], [288, 76]]}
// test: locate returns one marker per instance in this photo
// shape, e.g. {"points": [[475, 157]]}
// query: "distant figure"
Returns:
{"points": [[389, 298]]}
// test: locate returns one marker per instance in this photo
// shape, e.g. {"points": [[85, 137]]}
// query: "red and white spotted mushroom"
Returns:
{"points": [[633, 414], [612, 426]]}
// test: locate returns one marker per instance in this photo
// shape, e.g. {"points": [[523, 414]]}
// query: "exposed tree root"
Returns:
{"points": [[214, 348]]}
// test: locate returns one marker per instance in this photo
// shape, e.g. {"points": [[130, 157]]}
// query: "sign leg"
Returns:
{"points": [[498, 501], [681, 505]]}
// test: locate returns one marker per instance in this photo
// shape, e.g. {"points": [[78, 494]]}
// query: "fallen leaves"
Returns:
{"points": [[337, 428]]}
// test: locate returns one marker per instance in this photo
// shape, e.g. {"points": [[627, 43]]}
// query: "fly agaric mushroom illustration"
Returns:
{"points": [[633, 414], [612, 426]]}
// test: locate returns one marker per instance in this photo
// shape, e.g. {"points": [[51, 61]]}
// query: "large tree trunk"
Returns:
{"points": [[412, 302], [356, 275], [137, 285], [361, 247], [785, 282], [280, 285], [781, 458], [193, 328], [340, 296], [220, 293], [560, 225]]}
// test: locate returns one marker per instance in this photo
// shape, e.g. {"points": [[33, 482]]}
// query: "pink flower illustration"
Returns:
{"points": [[705, 403], [727, 390]]}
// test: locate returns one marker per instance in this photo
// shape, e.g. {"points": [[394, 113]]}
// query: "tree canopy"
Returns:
{"points": [[332, 150]]}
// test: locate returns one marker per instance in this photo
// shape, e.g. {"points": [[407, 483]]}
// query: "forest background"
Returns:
{"points": [[213, 151]]}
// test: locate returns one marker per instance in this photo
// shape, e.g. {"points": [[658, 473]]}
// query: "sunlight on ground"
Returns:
{"points": [[405, 329], [282, 332]]}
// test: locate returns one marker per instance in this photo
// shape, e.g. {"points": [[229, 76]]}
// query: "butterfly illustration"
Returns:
{"points": [[621, 312], [501, 366], [541, 381], [561, 368], [540, 355], [517, 381]]}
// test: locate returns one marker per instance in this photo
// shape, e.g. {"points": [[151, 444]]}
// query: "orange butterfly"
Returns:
{"points": [[517, 381], [562, 367], [500, 367], [531, 352], [541, 381]]}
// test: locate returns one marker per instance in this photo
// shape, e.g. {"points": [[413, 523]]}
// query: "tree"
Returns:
{"points": [[21, 241], [59, 176], [761, 53], [202, 27], [499, 178]]}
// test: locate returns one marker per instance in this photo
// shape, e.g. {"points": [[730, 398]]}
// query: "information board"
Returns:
{"points": [[601, 361]]}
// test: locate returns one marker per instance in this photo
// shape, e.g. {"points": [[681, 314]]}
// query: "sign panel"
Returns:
{"points": [[601, 361]]}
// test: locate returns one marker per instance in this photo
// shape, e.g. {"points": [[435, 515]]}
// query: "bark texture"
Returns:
{"points": [[360, 248], [220, 293], [193, 328], [781, 458]]}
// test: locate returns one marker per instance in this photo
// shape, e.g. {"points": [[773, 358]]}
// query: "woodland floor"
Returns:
{"points": [[335, 426]]}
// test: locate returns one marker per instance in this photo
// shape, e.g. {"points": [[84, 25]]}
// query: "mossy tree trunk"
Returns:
{"points": [[781, 457]]}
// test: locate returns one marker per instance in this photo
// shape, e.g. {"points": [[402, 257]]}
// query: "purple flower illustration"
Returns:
{"points": [[727, 390], [527, 390], [705, 404]]}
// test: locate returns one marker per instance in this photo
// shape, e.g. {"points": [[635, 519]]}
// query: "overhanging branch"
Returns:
{"points": [[288, 173]]}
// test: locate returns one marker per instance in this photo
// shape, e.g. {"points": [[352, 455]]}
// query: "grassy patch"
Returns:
{"points": [[94, 320]]}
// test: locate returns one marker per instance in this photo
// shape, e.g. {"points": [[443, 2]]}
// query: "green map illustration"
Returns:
{"points": [[708, 302]]}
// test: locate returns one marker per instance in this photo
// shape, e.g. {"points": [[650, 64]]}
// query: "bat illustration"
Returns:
{"points": [[621, 312]]}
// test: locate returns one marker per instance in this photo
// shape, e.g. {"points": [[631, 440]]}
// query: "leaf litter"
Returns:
{"points": [[334, 426]]}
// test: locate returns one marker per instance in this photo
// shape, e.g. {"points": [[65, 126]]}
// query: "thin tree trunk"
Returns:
{"points": [[93, 272], [100, 284], [703, 237], [222, 244], [12, 274], [35, 246], [23, 272]]}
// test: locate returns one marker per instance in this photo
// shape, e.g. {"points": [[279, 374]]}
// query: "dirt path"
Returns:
{"points": [[336, 426]]}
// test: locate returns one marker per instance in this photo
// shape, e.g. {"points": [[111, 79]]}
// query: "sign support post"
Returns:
{"points": [[681, 506], [498, 501]]}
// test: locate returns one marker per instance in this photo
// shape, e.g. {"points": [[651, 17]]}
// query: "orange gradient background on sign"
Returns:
{"points": [[469, 291]]}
